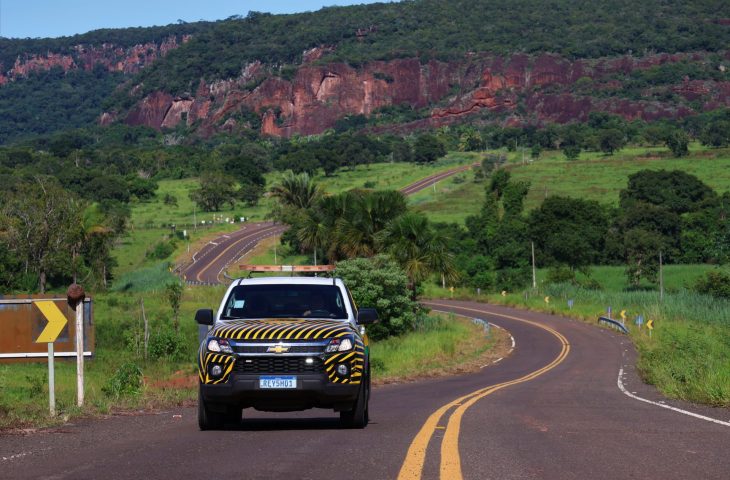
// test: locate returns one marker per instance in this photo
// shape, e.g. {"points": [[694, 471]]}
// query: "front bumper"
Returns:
{"points": [[312, 391]]}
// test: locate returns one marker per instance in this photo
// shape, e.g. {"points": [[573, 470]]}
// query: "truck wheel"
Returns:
{"points": [[208, 419], [358, 417]]}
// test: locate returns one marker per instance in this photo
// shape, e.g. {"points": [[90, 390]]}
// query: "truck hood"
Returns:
{"points": [[281, 329]]}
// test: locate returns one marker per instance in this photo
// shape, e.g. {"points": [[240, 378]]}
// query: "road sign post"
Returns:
{"points": [[56, 322]]}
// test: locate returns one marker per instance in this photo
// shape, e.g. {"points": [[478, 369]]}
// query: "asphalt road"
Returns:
{"points": [[551, 409], [211, 261]]}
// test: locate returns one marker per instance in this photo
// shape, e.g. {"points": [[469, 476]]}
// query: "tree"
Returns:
{"points": [[216, 189], [428, 149], [418, 249], [296, 190], [174, 292], [675, 190], [313, 233], [642, 255], [42, 223], [358, 219], [569, 231], [571, 152], [378, 282], [716, 133], [610, 140], [678, 142]]}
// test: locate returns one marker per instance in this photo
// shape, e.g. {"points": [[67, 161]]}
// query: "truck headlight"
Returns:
{"points": [[341, 344], [217, 346]]}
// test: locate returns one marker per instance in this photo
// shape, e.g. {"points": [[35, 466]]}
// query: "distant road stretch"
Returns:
{"points": [[212, 260]]}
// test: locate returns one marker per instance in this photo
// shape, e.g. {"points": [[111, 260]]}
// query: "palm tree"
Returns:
{"points": [[313, 232], [299, 191], [364, 216], [419, 250]]}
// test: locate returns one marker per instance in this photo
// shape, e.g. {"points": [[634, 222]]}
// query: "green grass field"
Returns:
{"points": [[593, 176]]}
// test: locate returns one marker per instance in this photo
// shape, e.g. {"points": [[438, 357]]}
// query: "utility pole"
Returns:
{"points": [[661, 277], [534, 278]]}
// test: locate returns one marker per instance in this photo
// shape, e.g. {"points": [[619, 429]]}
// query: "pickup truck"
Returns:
{"points": [[284, 344]]}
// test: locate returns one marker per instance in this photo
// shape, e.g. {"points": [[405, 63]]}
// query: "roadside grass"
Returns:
{"points": [[441, 345], [613, 278], [687, 355]]}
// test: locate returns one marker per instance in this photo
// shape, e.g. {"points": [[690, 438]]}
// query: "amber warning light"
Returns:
{"points": [[287, 268]]}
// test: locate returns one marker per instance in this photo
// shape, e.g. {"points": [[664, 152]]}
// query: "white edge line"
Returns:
{"points": [[691, 414], [513, 341]]}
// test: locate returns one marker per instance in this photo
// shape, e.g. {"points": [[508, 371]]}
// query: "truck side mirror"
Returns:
{"points": [[204, 316], [367, 316]]}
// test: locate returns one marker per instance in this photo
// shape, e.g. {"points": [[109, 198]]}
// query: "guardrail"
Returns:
{"points": [[614, 323], [485, 325]]}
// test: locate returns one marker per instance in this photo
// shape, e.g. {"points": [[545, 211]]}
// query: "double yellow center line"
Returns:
{"points": [[412, 468]]}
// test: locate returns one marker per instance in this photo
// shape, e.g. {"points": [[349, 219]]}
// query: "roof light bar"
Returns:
{"points": [[287, 268]]}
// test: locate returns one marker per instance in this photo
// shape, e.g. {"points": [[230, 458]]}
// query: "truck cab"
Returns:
{"points": [[284, 344]]}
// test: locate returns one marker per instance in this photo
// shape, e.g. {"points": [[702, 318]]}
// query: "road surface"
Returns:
{"points": [[552, 409]]}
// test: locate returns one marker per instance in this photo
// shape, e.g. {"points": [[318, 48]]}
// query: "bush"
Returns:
{"points": [[166, 344], [716, 284], [560, 274], [161, 250], [127, 380], [379, 282]]}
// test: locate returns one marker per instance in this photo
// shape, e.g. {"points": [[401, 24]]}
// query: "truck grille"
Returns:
{"points": [[304, 349], [278, 365]]}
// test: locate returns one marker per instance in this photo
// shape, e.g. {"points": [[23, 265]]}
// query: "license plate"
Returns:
{"points": [[277, 382]]}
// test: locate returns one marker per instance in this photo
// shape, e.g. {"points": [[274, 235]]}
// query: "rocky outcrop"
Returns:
{"points": [[115, 59], [515, 89]]}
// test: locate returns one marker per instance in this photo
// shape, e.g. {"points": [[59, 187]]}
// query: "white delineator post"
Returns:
{"points": [[80, 353], [51, 381], [76, 295]]}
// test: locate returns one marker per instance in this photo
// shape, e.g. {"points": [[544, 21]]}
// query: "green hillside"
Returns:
{"points": [[444, 29]]}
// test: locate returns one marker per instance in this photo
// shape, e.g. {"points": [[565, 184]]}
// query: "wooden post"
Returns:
{"points": [[80, 354], [534, 277], [51, 381]]}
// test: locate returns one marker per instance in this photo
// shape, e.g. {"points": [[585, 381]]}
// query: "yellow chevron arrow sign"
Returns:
{"points": [[56, 321], [650, 324]]}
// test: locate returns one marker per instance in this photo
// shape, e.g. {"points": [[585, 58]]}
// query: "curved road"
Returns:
{"points": [[552, 409], [211, 261]]}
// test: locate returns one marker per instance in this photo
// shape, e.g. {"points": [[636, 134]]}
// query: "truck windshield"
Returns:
{"points": [[285, 301]]}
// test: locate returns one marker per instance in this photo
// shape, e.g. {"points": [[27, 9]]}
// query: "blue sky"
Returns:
{"points": [[56, 18]]}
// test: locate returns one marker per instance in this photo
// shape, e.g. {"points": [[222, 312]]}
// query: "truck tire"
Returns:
{"points": [[358, 417], [208, 419]]}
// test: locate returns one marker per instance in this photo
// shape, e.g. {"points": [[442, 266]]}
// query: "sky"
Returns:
{"points": [[57, 18]]}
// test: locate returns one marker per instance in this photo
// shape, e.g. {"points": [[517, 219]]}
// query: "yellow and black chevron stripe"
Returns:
{"points": [[206, 358], [282, 329], [356, 359]]}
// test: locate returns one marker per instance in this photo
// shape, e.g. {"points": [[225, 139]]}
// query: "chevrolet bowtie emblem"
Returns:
{"points": [[277, 349]]}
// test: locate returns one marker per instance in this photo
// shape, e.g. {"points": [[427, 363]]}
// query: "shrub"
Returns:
{"points": [[161, 250], [166, 344], [560, 274], [127, 380], [378, 282], [716, 284]]}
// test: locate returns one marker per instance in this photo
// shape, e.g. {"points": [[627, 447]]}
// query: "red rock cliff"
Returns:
{"points": [[520, 88], [113, 58]]}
